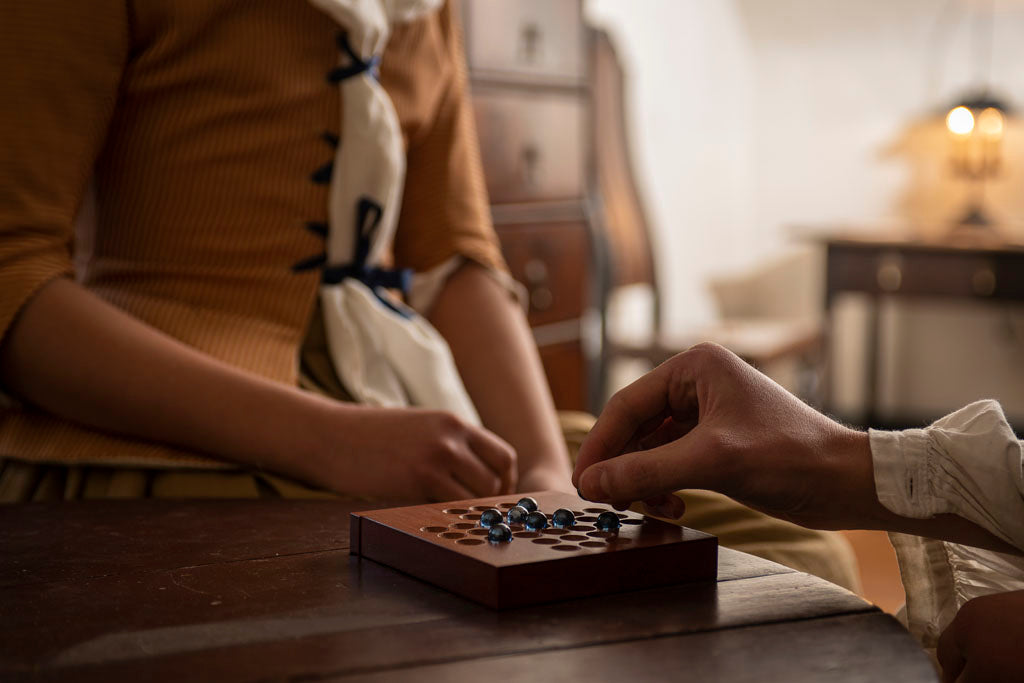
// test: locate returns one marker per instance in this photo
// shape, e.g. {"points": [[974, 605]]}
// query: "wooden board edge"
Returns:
{"points": [[355, 521], [460, 574], [705, 568]]}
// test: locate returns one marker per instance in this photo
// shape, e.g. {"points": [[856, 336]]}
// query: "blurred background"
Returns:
{"points": [[834, 190]]}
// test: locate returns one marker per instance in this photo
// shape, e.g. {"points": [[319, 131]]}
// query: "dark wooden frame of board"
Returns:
{"points": [[521, 573]]}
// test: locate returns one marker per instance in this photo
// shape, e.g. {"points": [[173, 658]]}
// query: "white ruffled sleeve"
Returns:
{"points": [[970, 464]]}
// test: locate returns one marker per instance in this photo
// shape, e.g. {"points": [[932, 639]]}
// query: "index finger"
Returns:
{"points": [[641, 403]]}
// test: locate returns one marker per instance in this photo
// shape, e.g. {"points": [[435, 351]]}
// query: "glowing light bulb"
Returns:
{"points": [[960, 121], [990, 123]]}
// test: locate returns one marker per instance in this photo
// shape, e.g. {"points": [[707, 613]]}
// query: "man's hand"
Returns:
{"points": [[706, 419], [983, 642]]}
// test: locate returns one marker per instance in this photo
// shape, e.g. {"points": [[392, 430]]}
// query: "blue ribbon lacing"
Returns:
{"points": [[368, 214]]}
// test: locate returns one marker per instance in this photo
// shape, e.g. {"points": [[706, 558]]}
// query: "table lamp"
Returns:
{"points": [[976, 126]]}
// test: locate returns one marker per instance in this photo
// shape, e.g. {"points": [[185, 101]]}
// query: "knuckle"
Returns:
{"points": [[449, 423], [619, 404], [705, 353], [509, 456]]}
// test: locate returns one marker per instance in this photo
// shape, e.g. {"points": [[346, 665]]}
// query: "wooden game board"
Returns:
{"points": [[442, 543]]}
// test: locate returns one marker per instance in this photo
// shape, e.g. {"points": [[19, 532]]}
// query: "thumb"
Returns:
{"points": [[683, 463]]}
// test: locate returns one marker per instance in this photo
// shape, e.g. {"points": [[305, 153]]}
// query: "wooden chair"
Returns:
{"points": [[626, 253]]}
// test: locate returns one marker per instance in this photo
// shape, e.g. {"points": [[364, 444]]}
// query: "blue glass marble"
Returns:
{"points": [[536, 521], [563, 518], [499, 533], [489, 518], [517, 515], [608, 521], [529, 503]]}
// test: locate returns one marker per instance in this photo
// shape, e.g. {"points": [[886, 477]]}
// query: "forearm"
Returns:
{"points": [[76, 356], [497, 358]]}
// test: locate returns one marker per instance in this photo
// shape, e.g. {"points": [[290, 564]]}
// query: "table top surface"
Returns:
{"points": [[983, 242], [266, 590]]}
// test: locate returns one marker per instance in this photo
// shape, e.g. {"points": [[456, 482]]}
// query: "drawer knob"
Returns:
{"points": [[983, 282], [531, 166], [541, 299], [535, 271], [529, 43], [889, 276]]}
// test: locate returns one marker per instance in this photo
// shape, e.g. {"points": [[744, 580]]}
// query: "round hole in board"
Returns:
{"points": [[593, 544], [600, 534], [574, 537], [564, 547], [452, 534], [477, 531], [516, 527], [583, 527], [554, 532], [621, 516], [506, 506], [633, 521], [596, 511], [470, 541], [472, 516], [456, 511], [481, 508], [545, 541], [586, 518], [526, 534], [464, 525], [433, 529]]}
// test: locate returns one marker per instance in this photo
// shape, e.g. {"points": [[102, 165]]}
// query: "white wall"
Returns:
{"points": [[750, 117]]}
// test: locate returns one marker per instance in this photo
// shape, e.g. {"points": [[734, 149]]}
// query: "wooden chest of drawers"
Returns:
{"points": [[529, 81]]}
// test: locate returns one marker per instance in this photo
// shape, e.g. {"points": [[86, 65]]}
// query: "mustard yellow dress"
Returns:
{"points": [[196, 136]]}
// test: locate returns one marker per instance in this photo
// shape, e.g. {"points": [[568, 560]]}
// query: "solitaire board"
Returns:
{"points": [[443, 544]]}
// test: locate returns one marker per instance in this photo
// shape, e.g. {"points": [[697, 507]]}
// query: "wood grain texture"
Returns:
{"points": [[284, 601], [552, 260], [67, 541], [566, 369], [325, 613], [440, 543], [864, 648]]}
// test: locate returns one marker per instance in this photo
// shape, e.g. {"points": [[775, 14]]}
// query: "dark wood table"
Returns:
{"points": [[266, 590]]}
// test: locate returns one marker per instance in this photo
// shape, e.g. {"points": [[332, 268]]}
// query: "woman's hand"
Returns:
{"points": [[706, 419], [982, 643], [411, 454]]}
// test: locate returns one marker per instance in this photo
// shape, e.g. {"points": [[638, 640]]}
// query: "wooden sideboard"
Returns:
{"points": [[546, 88], [890, 268]]}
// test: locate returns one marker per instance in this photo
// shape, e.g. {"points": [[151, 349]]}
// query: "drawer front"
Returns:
{"points": [[532, 145], [926, 273], [551, 261], [525, 37], [566, 370]]}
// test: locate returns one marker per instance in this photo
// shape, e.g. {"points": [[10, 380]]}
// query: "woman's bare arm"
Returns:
{"points": [[73, 354], [498, 360]]}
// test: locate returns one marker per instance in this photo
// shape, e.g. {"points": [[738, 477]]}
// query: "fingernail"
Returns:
{"points": [[596, 484]]}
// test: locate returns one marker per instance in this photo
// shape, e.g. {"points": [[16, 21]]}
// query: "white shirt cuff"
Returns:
{"points": [[969, 463]]}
